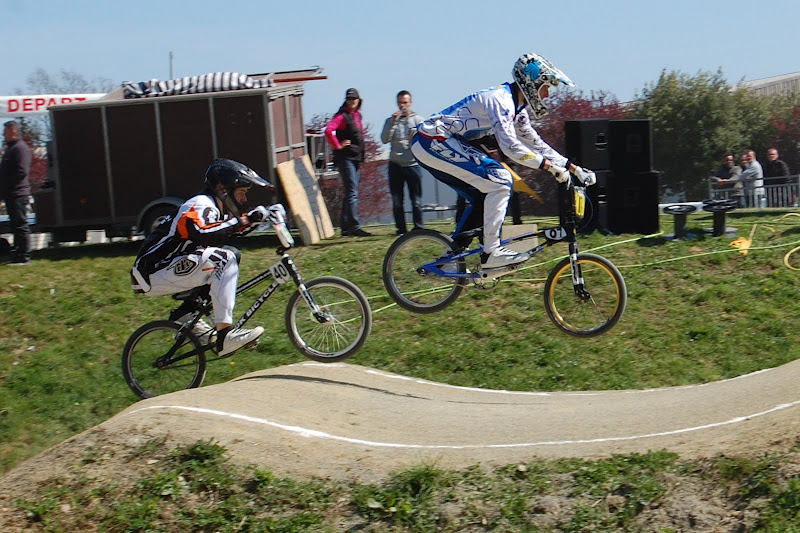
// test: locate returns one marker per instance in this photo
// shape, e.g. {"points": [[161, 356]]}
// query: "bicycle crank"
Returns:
{"points": [[488, 278]]}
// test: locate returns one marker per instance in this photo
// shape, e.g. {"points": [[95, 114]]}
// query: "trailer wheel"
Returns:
{"points": [[155, 216]]}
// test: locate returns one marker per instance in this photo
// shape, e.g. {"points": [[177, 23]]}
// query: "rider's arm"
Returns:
{"points": [[533, 141], [520, 143], [202, 224]]}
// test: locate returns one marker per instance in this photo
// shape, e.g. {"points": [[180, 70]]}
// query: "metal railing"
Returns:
{"points": [[776, 192]]}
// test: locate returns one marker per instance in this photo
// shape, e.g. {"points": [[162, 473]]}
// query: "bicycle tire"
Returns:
{"points": [[146, 346], [347, 325], [579, 317], [417, 292]]}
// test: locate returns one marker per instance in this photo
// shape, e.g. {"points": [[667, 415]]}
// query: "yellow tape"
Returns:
{"points": [[521, 186]]}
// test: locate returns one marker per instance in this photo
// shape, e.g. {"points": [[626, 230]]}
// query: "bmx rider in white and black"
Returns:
{"points": [[189, 250]]}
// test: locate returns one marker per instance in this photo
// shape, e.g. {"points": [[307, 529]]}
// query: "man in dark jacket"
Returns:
{"points": [[775, 168], [15, 189]]}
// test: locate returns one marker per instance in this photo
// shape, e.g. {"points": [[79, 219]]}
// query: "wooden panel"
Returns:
{"points": [[45, 207], [279, 123], [304, 197], [133, 143], [187, 145], [241, 132], [83, 180], [296, 112]]}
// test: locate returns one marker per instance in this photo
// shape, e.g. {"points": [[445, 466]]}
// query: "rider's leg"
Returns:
{"points": [[219, 269], [464, 167], [224, 265]]}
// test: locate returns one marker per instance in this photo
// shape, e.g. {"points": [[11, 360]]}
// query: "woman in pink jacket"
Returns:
{"points": [[345, 133]]}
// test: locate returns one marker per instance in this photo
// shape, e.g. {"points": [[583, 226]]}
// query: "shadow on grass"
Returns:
{"points": [[131, 248]]}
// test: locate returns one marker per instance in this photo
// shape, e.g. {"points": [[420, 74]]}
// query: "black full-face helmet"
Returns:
{"points": [[231, 175]]}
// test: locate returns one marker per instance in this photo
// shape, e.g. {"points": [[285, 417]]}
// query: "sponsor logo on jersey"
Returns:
{"points": [[184, 266], [445, 152]]}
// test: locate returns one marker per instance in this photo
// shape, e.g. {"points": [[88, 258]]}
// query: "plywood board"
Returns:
{"points": [[510, 230], [304, 197]]}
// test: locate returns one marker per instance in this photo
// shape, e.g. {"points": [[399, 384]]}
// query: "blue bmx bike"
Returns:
{"points": [[424, 271]]}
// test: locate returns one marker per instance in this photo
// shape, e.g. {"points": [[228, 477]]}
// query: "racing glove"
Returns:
{"points": [[559, 173], [276, 214], [258, 214], [585, 175]]}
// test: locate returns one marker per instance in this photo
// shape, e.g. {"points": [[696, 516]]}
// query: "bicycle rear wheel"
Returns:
{"points": [[344, 326], [418, 291], [147, 375], [595, 311]]}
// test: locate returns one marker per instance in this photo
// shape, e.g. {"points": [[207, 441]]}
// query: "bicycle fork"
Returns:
{"points": [[289, 266], [578, 283]]}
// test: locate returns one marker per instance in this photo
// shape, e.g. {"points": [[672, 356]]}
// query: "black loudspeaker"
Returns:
{"points": [[630, 146], [587, 142], [632, 200]]}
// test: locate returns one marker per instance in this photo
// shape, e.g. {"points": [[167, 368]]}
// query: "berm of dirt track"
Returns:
{"points": [[343, 421]]}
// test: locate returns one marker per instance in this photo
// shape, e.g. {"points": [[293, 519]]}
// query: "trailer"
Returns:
{"points": [[122, 165]]}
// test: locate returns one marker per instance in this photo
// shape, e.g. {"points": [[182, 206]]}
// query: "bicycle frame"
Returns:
{"points": [[281, 272], [552, 235]]}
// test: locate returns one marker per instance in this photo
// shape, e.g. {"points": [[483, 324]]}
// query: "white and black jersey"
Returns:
{"points": [[198, 224]]}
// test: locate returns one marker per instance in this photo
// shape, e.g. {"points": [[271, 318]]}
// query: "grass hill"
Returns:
{"points": [[698, 311]]}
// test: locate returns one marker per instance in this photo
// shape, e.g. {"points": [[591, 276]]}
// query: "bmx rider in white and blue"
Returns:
{"points": [[440, 146]]}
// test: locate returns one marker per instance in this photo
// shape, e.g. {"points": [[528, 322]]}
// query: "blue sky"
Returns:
{"points": [[438, 50]]}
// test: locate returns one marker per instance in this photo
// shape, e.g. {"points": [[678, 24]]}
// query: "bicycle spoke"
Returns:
{"points": [[346, 322], [185, 368], [421, 293], [586, 317]]}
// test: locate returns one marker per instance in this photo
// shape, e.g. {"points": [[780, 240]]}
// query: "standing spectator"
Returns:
{"points": [[345, 133], [758, 179], [775, 168], [753, 178], [723, 172], [734, 179], [15, 189], [403, 168]]}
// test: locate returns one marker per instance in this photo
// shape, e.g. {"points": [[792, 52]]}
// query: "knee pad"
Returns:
{"points": [[236, 252]]}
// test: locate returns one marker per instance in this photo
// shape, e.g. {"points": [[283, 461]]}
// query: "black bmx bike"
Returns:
{"points": [[328, 319], [424, 271]]}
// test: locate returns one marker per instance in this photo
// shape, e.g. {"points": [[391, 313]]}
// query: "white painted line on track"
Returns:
{"points": [[311, 433], [524, 393]]}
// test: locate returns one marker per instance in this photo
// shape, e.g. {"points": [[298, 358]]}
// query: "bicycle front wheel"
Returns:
{"points": [[145, 365], [417, 291], [342, 327], [592, 311]]}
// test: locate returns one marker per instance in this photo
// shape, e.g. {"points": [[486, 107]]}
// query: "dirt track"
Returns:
{"points": [[348, 421]]}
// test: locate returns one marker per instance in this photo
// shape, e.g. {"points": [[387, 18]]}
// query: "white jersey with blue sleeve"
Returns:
{"points": [[488, 112]]}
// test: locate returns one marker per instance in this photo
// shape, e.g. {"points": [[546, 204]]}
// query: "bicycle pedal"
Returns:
{"points": [[486, 272], [251, 344]]}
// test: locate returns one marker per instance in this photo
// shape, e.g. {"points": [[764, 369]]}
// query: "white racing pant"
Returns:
{"points": [[216, 267], [467, 169]]}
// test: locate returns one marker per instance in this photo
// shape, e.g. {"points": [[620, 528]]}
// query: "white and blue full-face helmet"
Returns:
{"points": [[531, 72]]}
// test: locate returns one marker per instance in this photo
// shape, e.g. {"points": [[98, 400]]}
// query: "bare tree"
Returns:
{"points": [[373, 200], [67, 81], [37, 129]]}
